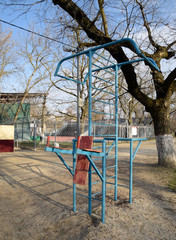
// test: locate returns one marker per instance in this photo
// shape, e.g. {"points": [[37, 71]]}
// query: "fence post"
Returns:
{"points": [[17, 134], [55, 131], [34, 135]]}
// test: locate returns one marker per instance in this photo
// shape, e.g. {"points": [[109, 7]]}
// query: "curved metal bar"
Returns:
{"points": [[150, 61]]}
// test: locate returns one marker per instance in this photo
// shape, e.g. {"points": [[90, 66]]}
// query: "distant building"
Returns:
{"points": [[9, 103]]}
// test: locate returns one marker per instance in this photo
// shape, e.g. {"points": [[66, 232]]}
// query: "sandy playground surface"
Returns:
{"points": [[36, 200]]}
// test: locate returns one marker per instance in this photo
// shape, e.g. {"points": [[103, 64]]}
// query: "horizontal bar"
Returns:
{"points": [[97, 147], [71, 79], [110, 187], [103, 124], [94, 140], [103, 113], [122, 185], [104, 80], [110, 138], [111, 177], [125, 139], [104, 91], [111, 167], [88, 197], [58, 150], [104, 69], [102, 135], [145, 59], [95, 100], [98, 140], [110, 183], [96, 193], [106, 45], [111, 156], [96, 182], [132, 139], [104, 58], [89, 153]]}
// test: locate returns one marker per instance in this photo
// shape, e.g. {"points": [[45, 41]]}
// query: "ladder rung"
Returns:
{"points": [[104, 80], [103, 113], [103, 69], [104, 102], [104, 58], [103, 124], [103, 91]]}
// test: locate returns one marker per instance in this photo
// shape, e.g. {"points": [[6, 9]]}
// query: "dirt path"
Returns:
{"points": [[36, 201]]}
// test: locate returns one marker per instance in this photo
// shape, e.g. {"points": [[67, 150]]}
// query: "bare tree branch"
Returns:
{"points": [[101, 3], [171, 44], [147, 25], [169, 80]]}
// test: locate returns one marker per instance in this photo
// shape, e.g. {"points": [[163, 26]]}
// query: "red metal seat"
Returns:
{"points": [[82, 163]]}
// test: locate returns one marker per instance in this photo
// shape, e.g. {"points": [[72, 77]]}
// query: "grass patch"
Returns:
{"points": [[41, 146], [30, 145], [172, 182], [66, 145]]}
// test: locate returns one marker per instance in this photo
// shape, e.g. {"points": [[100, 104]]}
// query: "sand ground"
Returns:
{"points": [[36, 200]]}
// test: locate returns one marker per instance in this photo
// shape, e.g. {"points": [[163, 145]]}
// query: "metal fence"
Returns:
{"points": [[124, 130], [34, 131], [26, 131], [53, 128]]}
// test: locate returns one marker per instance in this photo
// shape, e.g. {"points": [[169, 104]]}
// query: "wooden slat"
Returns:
{"points": [[82, 164]]}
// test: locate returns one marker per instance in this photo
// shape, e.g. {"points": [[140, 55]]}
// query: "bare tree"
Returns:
{"points": [[36, 55], [6, 56], [157, 49], [146, 22]]}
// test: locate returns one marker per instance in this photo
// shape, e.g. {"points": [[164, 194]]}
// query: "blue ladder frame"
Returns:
{"points": [[108, 152]]}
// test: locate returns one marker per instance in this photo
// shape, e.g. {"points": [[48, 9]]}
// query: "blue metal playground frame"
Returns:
{"points": [[107, 142]]}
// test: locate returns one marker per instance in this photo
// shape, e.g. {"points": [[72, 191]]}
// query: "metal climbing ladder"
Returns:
{"points": [[103, 91]]}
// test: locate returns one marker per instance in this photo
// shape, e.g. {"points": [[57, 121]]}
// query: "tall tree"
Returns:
{"points": [[145, 21], [157, 48]]}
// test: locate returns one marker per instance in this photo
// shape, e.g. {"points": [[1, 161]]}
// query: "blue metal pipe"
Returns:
{"points": [[123, 40], [103, 91], [95, 100], [93, 50], [131, 171], [74, 168], [103, 57], [104, 70], [116, 131]]}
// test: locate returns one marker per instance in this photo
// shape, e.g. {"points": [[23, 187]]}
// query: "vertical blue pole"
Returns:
{"points": [[90, 128], [104, 181], [131, 171], [90, 93], [74, 185], [116, 132], [90, 190]]}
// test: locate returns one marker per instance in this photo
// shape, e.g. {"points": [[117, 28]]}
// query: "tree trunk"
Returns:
{"points": [[164, 137]]}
